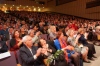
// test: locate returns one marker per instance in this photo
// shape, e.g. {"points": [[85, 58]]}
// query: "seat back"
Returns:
{"points": [[44, 36], [9, 61]]}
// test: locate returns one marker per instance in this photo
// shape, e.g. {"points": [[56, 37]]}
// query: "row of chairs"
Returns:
{"points": [[11, 61]]}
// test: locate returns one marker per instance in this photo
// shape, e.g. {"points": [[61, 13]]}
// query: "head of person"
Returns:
{"points": [[42, 42], [16, 34], [81, 30], [52, 28], [60, 35], [4, 26], [23, 22], [22, 29], [11, 30], [71, 32], [27, 40], [31, 32], [35, 28], [18, 23]]}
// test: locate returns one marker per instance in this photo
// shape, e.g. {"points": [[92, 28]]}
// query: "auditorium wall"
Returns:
{"points": [[77, 8]]}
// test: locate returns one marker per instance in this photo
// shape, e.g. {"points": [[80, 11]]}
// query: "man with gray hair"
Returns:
{"points": [[35, 37], [30, 55]]}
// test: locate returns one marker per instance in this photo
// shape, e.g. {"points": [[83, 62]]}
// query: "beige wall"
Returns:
{"points": [[77, 8]]}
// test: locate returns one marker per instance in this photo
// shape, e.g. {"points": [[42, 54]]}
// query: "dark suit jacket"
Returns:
{"points": [[4, 34], [83, 40], [3, 46], [27, 57]]}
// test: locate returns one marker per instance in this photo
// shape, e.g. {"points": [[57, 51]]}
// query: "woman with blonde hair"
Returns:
{"points": [[52, 32], [73, 41]]}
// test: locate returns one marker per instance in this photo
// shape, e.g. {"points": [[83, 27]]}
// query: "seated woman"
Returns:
{"points": [[83, 40], [47, 51], [22, 32], [78, 47], [60, 44], [52, 32], [15, 43]]}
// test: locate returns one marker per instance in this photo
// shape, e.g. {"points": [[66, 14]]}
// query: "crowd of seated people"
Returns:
{"points": [[21, 31]]}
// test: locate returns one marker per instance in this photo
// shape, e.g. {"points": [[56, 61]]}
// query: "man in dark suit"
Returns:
{"points": [[11, 30], [30, 55], [3, 46], [4, 33]]}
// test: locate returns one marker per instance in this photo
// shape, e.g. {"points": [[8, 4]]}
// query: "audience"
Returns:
{"points": [[75, 36]]}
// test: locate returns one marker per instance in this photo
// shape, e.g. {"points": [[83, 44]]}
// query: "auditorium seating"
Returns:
{"points": [[9, 61]]}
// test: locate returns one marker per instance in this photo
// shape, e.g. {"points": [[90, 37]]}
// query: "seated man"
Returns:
{"points": [[30, 55], [3, 47]]}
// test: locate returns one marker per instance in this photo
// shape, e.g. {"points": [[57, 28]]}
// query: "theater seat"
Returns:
{"points": [[44, 36], [9, 61]]}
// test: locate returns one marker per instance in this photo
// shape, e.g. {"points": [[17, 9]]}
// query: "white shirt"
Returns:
{"points": [[34, 56]]}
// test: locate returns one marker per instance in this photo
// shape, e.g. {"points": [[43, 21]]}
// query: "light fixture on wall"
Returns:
{"points": [[34, 9], [39, 9], [17, 7], [5, 4]]}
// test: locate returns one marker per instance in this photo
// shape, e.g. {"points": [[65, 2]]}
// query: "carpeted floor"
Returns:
{"points": [[97, 60]]}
